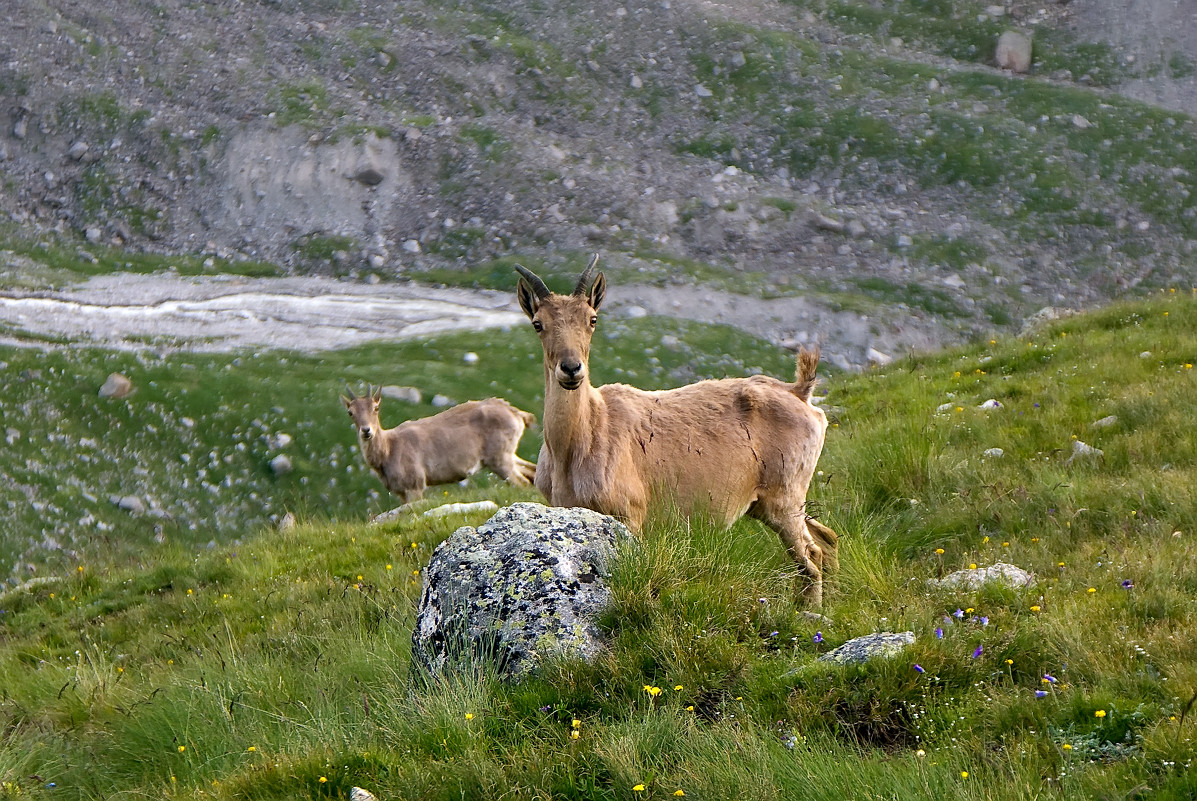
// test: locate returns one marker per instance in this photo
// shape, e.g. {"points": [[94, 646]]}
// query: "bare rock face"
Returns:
{"points": [[1014, 52], [526, 584]]}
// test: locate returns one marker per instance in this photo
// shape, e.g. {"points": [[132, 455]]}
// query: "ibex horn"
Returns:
{"points": [[349, 392], [583, 285], [538, 286]]}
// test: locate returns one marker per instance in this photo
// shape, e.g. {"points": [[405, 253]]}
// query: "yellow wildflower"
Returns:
{"points": [[1035, 608], [469, 715], [639, 788], [1101, 713]]}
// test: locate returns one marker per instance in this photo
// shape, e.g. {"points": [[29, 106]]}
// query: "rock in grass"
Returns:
{"points": [[117, 386], [1105, 422], [973, 579], [358, 794], [462, 509], [1084, 452], [281, 465], [884, 644], [1013, 52], [526, 584]]}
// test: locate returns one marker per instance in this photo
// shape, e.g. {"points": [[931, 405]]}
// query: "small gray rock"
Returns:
{"points": [[878, 358], [369, 176], [93, 234], [1000, 572], [993, 453], [358, 794], [1013, 52], [884, 644], [1105, 422], [131, 504], [442, 401], [1080, 450], [78, 150], [409, 394], [117, 386], [281, 465]]}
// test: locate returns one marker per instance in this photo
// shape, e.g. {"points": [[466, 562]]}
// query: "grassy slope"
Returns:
{"points": [[277, 667]]}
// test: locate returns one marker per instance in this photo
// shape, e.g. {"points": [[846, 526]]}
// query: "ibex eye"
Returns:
{"points": [[594, 321], [536, 324]]}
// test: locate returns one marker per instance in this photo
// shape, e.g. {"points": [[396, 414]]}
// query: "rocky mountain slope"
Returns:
{"points": [[868, 157]]}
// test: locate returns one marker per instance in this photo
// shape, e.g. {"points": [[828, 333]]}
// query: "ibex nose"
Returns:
{"points": [[571, 369], [366, 433]]}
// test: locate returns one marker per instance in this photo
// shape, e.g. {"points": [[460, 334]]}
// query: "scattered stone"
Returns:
{"points": [[409, 394], [117, 386], [702, 91], [636, 83], [358, 794], [885, 644], [11, 435], [442, 401], [635, 312], [131, 504], [1014, 52], [1081, 122], [28, 586], [287, 522], [993, 453], [281, 465], [995, 11], [93, 234], [954, 281], [1000, 572], [856, 229], [1042, 317], [528, 583], [411, 246], [904, 241], [1105, 422], [78, 150], [1082, 451], [945, 407], [878, 358], [828, 224], [470, 358], [461, 509], [279, 441], [1145, 354], [933, 85], [369, 176], [20, 128], [992, 403]]}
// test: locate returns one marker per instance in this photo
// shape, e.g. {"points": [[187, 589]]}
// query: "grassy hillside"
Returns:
{"points": [[277, 666]]}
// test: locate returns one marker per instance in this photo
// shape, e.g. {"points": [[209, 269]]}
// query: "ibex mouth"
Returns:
{"points": [[570, 383]]}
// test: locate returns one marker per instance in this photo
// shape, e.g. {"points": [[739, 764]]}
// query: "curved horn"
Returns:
{"points": [[583, 285], [538, 285], [349, 392]]}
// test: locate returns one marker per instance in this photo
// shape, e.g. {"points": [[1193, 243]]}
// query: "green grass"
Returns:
{"points": [[276, 664]]}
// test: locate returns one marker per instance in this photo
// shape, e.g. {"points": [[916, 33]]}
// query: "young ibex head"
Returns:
{"points": [[364, 411], [565, 323]]}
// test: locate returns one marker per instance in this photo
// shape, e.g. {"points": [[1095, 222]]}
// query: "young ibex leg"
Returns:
{"points": [[790, 525]]}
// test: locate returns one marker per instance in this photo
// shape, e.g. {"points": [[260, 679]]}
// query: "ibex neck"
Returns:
{"points": [[376, 449], [570, 418]]}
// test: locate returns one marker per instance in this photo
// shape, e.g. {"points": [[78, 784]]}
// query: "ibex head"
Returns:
{"points": [[364, 411], [565, 323]]}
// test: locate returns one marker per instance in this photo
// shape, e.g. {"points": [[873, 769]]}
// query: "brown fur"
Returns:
{"points": [[731, 446], [444, 448]]}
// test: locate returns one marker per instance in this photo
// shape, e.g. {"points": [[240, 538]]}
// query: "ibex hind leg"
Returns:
{"points": [[507, 466], [791, 528]]}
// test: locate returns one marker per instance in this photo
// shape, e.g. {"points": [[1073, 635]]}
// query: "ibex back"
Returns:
{"points": [[732, 446]]}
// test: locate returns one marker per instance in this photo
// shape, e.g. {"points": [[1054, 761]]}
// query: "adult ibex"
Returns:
{"points": [[444, 448], [731, 446]]}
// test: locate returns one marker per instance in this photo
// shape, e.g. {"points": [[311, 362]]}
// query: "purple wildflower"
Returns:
{"points": [[958, 614], [773, 634], [919, 668], [977, 652], [1127, 584], [938, 633], [1049, 678], [818, 637], [1040, 693], [984, 620]]}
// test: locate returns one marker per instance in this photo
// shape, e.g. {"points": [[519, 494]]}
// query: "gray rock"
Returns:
{"points": [[280, 465], [1000, 572], [1013, 52], [1042, 317], [1105, 422], [358, 794], [78, 150], [1080, 450], [878, 358], [442, 401], [117, 386], [526, 584], [369, 176], [884, 644], [93, 234], [460, 509], [20, 128], [993, 453], [409, 394], [131, 504]]}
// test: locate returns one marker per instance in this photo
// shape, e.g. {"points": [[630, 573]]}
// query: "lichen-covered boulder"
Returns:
{"points": [[999, 572], [527, 583], [884, 644]]}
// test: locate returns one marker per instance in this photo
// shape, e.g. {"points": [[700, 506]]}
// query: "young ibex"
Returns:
{"points": [[444, 448], [732, 446]]}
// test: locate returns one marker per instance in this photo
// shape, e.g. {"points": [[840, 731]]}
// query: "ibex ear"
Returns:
{"points": [[598, 292], [527, 298], [346, 401], [377, 395]]}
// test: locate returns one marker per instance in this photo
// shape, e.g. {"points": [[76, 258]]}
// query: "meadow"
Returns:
{"points": [[205, 653]]}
